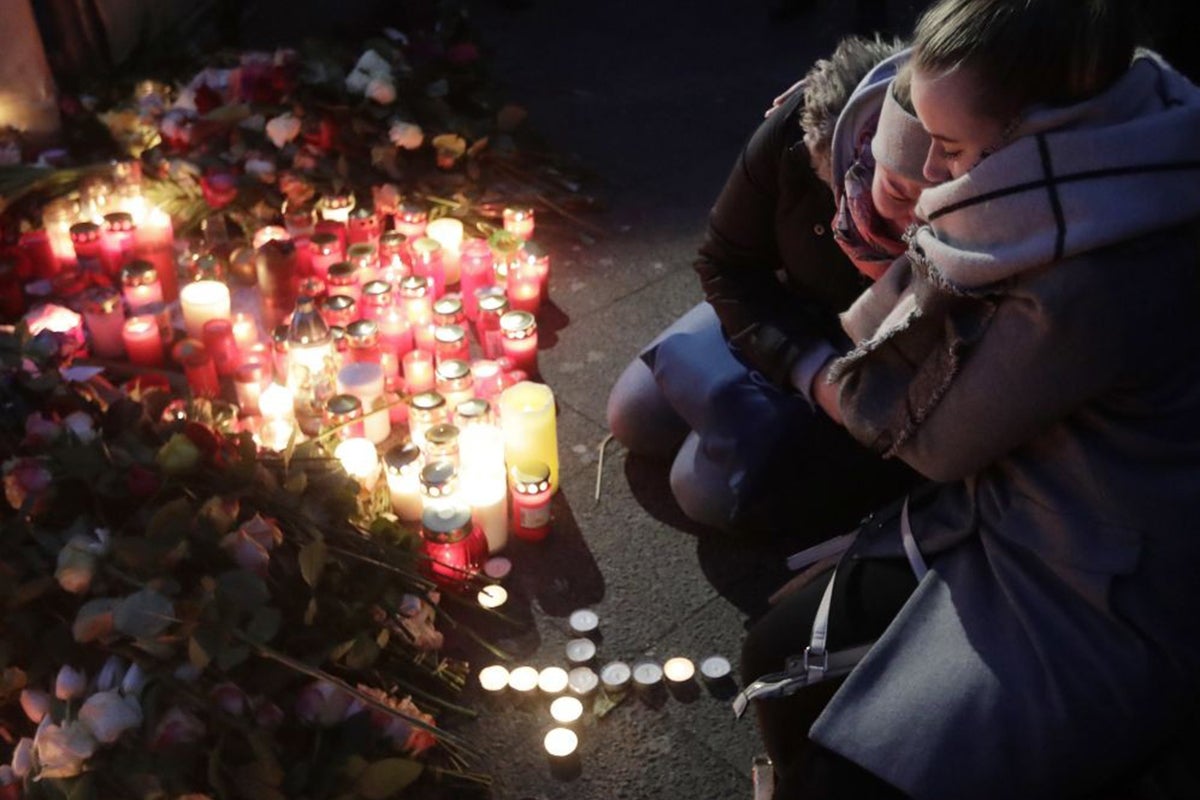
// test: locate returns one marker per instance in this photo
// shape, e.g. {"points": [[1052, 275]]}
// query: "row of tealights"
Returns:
{"points": [[566, 690]]}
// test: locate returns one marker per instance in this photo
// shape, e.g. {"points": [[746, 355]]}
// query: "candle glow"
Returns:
{"points": [[493, 678], [360, 460], [561, 742], [566, 710], [492, 596]]}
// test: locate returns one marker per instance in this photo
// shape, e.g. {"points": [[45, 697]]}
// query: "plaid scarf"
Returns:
{"points": [[857, 228]]}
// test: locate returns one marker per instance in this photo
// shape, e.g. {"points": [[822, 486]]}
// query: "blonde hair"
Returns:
{"points": [[1028, 52]]}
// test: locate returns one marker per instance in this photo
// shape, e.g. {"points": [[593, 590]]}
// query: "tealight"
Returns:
{"points": [[552, 680], [561, 742], [647, 674], [360, 460], [523, 680], [715, 668], [493, 596], [581, 651], [584, 622], [494, 678], [679, 669], [583, 681], [615, 676], [497, 568], [566, 710]]}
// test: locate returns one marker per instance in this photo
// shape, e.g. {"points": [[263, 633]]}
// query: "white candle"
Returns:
{"points": [[276, 402], [647, 675], [493, 678], [523, 680], [615, 676], [487, 492], [528, 420], [481, 447], [552, 680], [403, 465], [202, 301], [581, 651], [245, 331], [584, 621], [561, 742], [679, 669], [566, 710], [492, 596], [365, 381], [583, 681], [143, 341], [360, 460]]}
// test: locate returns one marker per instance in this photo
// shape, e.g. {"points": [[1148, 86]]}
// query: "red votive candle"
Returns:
{"points": [[530, 482], [143, 341], [343, 279], [198, 368], [450, 342], [519, 222], [339, 310], [524, 286], [362, 339], [248, 382], [140, 285], [89, 251], [40, 252], [448, 310], [427, 263], [475, 264], [492, 305], [418, 371], [453, 544], [364, 226], [376, 299], [221, 345], [154, 241], [117, 240], [489, 378], [520, 340], [326, 251], [393, 257], [411, 220]]}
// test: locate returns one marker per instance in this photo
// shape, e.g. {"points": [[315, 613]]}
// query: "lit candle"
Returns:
{"points": [[140, 285], [426, 409], [403, 464], [493, 679], [57, 218], [528, 420], [299, 219], [536, 255], [376, 299], [277, 268], [365, 256], [105, 319], [454, 382], [487, 492], [524, 285], [365, 381], [362, 338], [89, 250], [492, 306], [418, 371], [198, 368], [270, 233], [450, 342], [519, 222], [475, 273], [363, 226], [143, 341], [154, 241], [561, 750], [488, 378], [221, 346], [202, 301], [343, 417], [117, 240], [439, 486], [339, 310], [447, 232], [278, 411], [481, 446], [566, 710], [453, 545], [248, 380], [411, 220], [312, 364], [523, 681], [393, 267], [519, 341], [531, 499], [679, 669], [360, 460], [245, 331], [326, 251], [491, 597], [336, 207], [552, 680], [427, 262]]}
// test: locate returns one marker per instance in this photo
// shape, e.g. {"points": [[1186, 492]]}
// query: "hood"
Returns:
{"points": [[861, 110]]}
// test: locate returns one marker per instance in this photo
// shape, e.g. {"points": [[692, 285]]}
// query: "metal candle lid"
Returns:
{"points": [[361, 253], [392, 241], [531, 477], [118, 221], [442, 436], [437, 479], [324, 243], [493, 302], [138, 273], [279, 337], [402, 458], [363, 333], [426, 248], [412, 212], [449, 334], [337, 304], [446, 521], [378, 292], [82, 232], [474, 410], [518, 324], [343, 272], [343, 201], [427, 401], [453, 369], [344, 407], [414, 286], [448, 306]]}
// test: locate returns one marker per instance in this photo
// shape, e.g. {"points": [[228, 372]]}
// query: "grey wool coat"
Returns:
{"points": [[1038, 353]]}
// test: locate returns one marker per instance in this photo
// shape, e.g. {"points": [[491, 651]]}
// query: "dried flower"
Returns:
{"points": [[450, 148], [70, 683], [62, 750], [283, 129], [263, 530], [109, 714], [133, 681], [178, 456], [247, 552]]}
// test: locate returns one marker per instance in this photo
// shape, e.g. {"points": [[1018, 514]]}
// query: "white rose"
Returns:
{"points": [[109, 714], [283, 129], [35, 703], [382, 91], [110, 674], [374, 65], [61, 751], [70, 683], [133, 681], [22, 758], [81, 424], [406, 135]]}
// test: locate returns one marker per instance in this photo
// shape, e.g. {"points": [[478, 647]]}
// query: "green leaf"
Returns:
{"points": [[310, 613], [144, 614], [336, 653], [264, 625], [245, 590], [312, 561], [387, 778]]}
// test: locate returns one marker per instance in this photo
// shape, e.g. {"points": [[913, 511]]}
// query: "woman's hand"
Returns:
{"points": [[825, 394]]}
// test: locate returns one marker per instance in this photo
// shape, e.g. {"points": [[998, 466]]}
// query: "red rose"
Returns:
{"points": [[219, 189]]}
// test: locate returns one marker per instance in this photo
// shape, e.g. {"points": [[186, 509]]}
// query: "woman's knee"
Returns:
{"points": [[639, 417], [700, 489]]}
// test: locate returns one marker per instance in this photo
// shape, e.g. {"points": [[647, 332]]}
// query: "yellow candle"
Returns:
{"points": [[202, 301], [528, 420]]}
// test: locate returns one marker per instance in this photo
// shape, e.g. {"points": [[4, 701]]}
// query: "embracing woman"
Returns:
{"points": [[1037, 353]]}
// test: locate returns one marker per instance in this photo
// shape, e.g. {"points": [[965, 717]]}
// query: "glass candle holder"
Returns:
{"points": [[198, 368], [486, 490], [416, 301], [339, 310], [425, 410], [418, 371], [104, 317], [326, 251], [117, 240], [89, 251], [450, 342], [441, 443], [493, 304], [531, 495], [505, 249], [524, 285], [362, 339], [393, 257], [376, 299], [249, 379], [269, 233], [245, 331], [314, 287], [427, 262], [279, 351], [201, 301], [454, 382], [343, 279], [395, 340], [475, 273], [411, 219], [140, 285], [489, 378], [448, 310], [364, 226], [344, 417], [365, 256], [312, 364], [57, 218], [217, 335], [527, 418], [439, 483], [403, 464], [470, 413], [537, 256], [448, 232], [278, 280], [519, 341], [481, 446], [360, 460], [453, 544], [205, 267], [518, 220], [154, 241], [365, 381], [299, 219], [143, 341], [336, 207]]}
